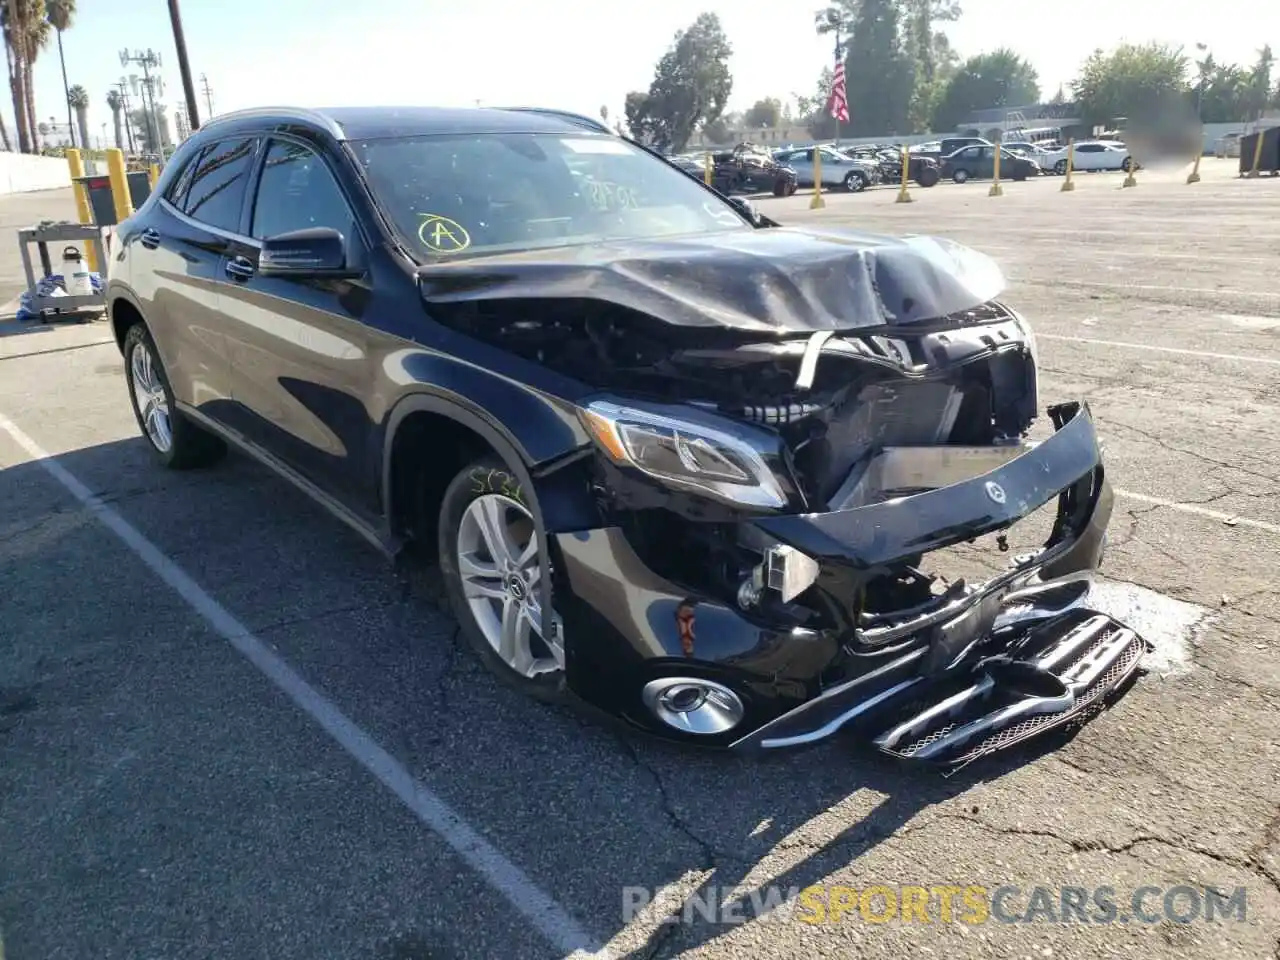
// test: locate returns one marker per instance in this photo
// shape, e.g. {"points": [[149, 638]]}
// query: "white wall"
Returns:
{"points": [[23, 172]]}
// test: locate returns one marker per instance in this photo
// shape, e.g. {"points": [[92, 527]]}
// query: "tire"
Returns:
{"points": [[1128, 163], [855, 182], [1060, 168], [929, 177], [174, 440], [792, 187], [960, 176], [780, 188], [463, 531]]}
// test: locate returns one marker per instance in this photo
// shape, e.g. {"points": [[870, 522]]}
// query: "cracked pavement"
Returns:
{"points": [[158, 798]]}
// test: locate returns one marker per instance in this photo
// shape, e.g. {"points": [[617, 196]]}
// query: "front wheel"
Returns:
{"points": [[928, 177], [176, 442], [1127, 165], [492, 562], [1060, 168], [855, 182]]}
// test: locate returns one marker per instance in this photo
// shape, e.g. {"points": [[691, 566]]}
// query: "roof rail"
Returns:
{"points": [[302, 114], [580, 119]]}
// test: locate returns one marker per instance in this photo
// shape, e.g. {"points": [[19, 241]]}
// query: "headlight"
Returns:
{"points": [[693, 456]]}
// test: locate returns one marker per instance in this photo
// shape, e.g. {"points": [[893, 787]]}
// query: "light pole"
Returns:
{"points": [[147, 59], [184, 68]]}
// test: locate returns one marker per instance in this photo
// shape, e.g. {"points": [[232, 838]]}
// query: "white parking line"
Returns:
{"points": [[1194, 508], [1272, 361], [547, 916]]}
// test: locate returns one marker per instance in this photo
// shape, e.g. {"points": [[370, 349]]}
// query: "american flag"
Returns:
{"points": [[839, 103]]}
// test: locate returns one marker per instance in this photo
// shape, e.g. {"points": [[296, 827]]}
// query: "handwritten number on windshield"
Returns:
{"points": [[606, 195]]}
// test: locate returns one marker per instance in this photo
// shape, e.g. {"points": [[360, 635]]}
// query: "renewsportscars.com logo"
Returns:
{"points": [[972, 904]]}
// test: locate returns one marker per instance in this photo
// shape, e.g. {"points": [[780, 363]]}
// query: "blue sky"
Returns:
{"points": [[566, 53]]}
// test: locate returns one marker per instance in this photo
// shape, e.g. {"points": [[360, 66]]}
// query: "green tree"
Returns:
{"points": [[717, 132], [813, 109], [880, 75], [78, 100], [1259, 84], [145, 128], [1223, 94], [997, 79], [691, 85], [635, 109], [1142, 82], [763, 113]]}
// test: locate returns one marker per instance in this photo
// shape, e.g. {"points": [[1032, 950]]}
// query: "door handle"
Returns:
{"points": [[150, 238], [239, 268]]}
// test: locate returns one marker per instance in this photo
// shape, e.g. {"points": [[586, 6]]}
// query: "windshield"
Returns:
{"points": [[457, 195]]}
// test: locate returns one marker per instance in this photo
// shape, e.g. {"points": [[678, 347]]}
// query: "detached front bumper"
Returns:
{"points": [[972, 673]]}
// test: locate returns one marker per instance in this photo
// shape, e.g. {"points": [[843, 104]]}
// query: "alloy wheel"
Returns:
{"points": [[149, 394], [500, 564]]}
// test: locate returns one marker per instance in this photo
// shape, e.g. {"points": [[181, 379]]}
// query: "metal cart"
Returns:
{"points": [[42, 235]]}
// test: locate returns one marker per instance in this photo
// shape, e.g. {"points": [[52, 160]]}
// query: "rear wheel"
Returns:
{"points": [[928, 177], [855, 182], [492, 562], [960, 176], [1060, 168], [177, 442], [1127, 165]]}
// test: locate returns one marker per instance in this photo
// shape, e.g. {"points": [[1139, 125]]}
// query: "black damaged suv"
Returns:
{"points": [[694, 468]]}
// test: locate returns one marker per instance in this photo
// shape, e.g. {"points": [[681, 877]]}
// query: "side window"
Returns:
{"points": [[218, 183], [973, 153], [1089, 148], [296, 192], [177, 192]]}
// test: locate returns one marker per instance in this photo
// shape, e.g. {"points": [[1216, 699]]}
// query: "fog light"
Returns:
{"points": [[694, 706]]}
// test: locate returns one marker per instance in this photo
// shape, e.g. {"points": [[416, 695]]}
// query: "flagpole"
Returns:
{"points": [[837, 144]]}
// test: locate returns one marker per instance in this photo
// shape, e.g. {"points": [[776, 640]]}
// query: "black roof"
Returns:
{"points": [[369, 123]]}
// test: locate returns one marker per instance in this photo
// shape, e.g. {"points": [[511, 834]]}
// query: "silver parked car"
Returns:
{"points": [[838, 170]]}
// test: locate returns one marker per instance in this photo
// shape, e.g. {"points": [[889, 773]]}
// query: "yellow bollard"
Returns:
{"points": [[817, 203], [83, 210], [153, 174], [708, 169], [1194, 176], [119, 185], [1068, 184], [995, 190], [903, 196], [1132, 179], [1257, 155]]}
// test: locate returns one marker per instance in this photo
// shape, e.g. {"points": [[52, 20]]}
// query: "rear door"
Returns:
{"points": [[176, 259], [299, 351]]}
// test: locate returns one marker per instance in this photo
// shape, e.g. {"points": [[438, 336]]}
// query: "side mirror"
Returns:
{"points": [[314, 252], [746, 209]]}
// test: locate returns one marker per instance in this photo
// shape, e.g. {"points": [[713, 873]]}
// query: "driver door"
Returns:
{"points": [[300, 354]]}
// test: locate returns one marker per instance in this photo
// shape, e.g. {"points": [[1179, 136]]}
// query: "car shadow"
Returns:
{"points": [[658, 813]]}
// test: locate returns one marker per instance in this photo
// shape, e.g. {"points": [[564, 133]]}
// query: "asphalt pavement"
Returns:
{"points": [[226, 729]]}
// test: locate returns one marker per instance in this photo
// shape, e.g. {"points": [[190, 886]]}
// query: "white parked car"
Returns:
{"points": [[1089, 155]]}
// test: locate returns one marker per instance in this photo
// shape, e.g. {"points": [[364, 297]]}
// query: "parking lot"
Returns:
{"points": [[226, 729]]}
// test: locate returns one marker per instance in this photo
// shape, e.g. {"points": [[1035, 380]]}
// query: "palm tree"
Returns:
{"points": [[38, 29], [14, 49], [60, 13], [26, 32], [116, 102], [78, 100]]}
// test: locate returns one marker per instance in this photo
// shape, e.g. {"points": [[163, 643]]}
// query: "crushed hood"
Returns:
{"points": [[775, 280]]}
